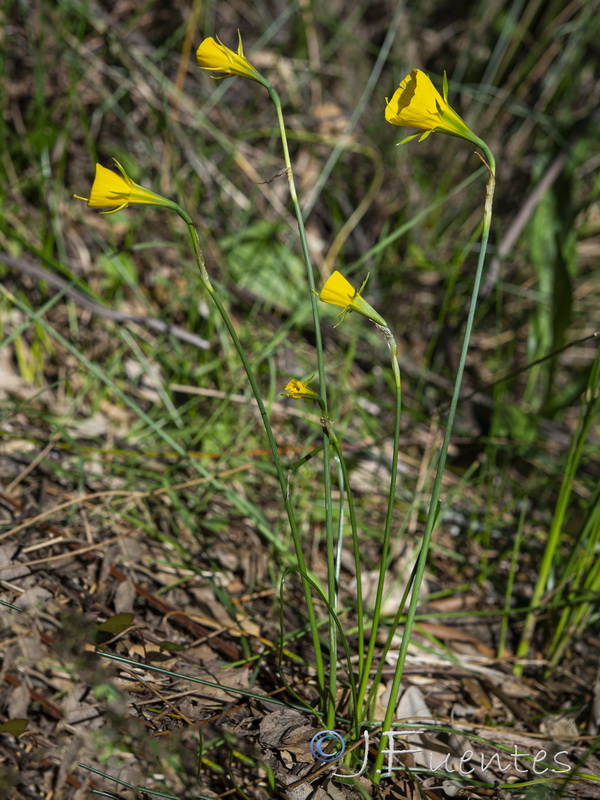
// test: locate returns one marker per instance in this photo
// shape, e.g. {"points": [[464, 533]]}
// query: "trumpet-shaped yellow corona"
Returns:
{"points": [[113, 192], [214, 56], [298, 390], [416, 103], [338, 291]]}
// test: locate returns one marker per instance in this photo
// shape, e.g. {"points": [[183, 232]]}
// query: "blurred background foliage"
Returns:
{"points": [[86, 82], [115, 374]]}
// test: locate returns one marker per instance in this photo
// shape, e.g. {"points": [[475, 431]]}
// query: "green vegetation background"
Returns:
{"points": [[83, 82]]}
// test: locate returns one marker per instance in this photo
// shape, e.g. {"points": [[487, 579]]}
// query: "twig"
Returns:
{"points": [[52, 279]]}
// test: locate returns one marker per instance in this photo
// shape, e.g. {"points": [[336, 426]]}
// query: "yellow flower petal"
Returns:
{"points": [[340, 292], [214, 56], [113, 192], [416, 103], [298, 390], [109, 189]]}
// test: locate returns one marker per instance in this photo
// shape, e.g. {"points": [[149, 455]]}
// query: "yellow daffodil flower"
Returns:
{"points": [[416, 103], [214, 56], [113, 192], [298, 390], [340, 292]]}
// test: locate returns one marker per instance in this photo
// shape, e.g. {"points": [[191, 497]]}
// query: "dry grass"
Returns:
{"points": [[135, 479]]}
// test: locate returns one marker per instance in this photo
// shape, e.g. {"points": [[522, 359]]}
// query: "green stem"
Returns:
{"points": [[433, 511], [281, 474], [382, 656], [304, 244], [583, 567], [512, 575], [366, 669], [356, 549], [331, 582], [587, 416]]}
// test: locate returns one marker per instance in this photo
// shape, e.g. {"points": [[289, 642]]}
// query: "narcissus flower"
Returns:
{"points": [[214, 56], [298, 390], [340, 292], [416, 103], [112, 192]]}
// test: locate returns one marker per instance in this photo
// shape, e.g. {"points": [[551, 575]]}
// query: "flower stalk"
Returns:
{"points": [[340, 292], [281, 475], [212, 55], [300, 390], [385, 547], [434, 503], [329, 537], [116, 192]]}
